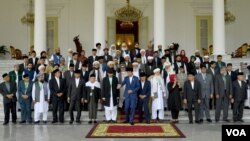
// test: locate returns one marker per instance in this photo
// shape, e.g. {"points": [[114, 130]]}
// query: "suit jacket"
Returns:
{"points": [[77, 65], [54, 88], [106, 90], [67, 77], [85, 77], [13, 76], [133, 52], [90, 61], [120, 58], [76, 93], [239, 93], [96, 94], [157, 62], [23, 91], [233, 75], [22, 68], [207, 85], [109, 58], [149, 71], [34, 64], [218, 67], [4, 92], [176, 67], [134, 86], [220, 87], [146, 90], [192, 94]]}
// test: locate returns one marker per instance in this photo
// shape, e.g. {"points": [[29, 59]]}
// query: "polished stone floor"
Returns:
{"points": [[66, 132]]}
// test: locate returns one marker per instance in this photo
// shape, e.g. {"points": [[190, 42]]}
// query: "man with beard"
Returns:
{"points": [[168, 56], [135, 51], [56, 57], [198, 56], [149, 68], [178, 64]]}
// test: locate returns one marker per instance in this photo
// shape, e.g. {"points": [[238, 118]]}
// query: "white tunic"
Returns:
{"points": [[159, 88], [41, 106]]}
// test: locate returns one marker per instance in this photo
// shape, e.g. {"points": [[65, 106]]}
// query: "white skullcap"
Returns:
{"points": [[118, 51], [197, 61], [135, 63], [96, 62], [150, 57], [171, 45], [126, 56], [167, 64], [157, 70], [39, 75], [111, 63], [41, 67], [142, 50], [206, 56], [197, 51]]}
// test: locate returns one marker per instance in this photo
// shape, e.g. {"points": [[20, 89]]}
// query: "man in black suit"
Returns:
{"points": [[135, 51], [239, 96], [69, 74], [192, 96], [106, 56], [92, 59], [33, 60], [231, 73], [25, 63], [110, 96], [223, 92], [144, 95], [75, 96], [8, 90], [57, 91], [219, 63], [212, 70], [75, 61], [157, 60]]}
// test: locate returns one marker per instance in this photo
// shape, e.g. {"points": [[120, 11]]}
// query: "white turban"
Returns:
{"points": [[150, 57], [96, 62], [157, 70], [41, 67]]}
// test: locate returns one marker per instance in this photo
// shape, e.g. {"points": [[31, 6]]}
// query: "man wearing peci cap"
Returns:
{"points": [[8, 90], [239, 96], [24, 94]]}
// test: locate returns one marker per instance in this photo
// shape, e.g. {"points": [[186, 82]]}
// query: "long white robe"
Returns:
{"points": [[158, 87], [42, 106]]}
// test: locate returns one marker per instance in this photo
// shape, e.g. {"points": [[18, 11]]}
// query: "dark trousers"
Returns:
{"points": [[130, 105], [212, 102], [58, 104], [26, 110], [175, 114], [10, 107], [222, 103], [238, 110], [77, 105], [196, 110], [143, 103]]}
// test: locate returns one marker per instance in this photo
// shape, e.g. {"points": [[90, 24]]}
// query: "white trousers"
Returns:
{"points": [[37, 116], [111, 114], [160, 115], [247, 101]]}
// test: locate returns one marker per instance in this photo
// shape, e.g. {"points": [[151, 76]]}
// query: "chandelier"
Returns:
{"points": [[128, 13], [127, 25], [229, 17], [29, 17]]}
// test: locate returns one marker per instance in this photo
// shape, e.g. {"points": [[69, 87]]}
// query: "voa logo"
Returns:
{"points": [[236, 132]]}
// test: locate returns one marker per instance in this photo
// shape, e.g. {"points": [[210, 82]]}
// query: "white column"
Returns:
{"points": [[99, 22], [159, 23], [40, 26], [218, 28]]}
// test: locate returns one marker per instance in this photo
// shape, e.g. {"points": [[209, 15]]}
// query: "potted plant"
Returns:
{"points": [[3, 52]]}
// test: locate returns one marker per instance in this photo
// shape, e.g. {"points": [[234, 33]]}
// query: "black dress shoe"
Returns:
{"points": [[78, 121], [95, 121], [90, 122], [209, 120], [61, 121], [22, 122], [54, 122], [71, 122], [44, 122], [191, 122], [197, 121], [216, 120], [5, 123], [201, 120], [125, 122], [36, 122], [113, 121], [132, 123], [226, 120], [241, 120]]}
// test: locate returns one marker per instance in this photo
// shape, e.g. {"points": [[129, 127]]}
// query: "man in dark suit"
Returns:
{"points": [[57, 91], [223, 92], [24, 65], [16, 74], [75, 61], [239, 96], [135, 51], [157, 60], [92, 58], [110, 96], [192, 96], [69, 74], [144, 95], [8, 90], [231, 73], [84, 73], [33, 60], [211, 70], [106, 56], [150, 66], [219, 63], [130, 93], [24, 94], [75, 95]]}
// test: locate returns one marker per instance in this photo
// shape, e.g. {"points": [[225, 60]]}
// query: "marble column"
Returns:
{"points": [[159, 23], [40, 26]]}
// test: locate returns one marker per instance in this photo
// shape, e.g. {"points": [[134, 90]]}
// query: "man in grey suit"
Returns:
{"points": [[212, 70], [223, 92], [239, 96], [192, 96], [207, 87]]}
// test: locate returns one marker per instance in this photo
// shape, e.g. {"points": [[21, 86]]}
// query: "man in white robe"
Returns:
{"points": [[41, 97], [157, 93]]}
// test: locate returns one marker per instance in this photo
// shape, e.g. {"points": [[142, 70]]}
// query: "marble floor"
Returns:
{"points": [[66, 132]]}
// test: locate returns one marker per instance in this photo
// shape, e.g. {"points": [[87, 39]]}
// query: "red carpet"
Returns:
{"points": [[164, 130]]}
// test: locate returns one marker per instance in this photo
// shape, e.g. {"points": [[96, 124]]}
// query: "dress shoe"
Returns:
{"points": [[197, 121], [113, 121], [71, 122], [90, 122], [241, 120], [201, 120], [95, 121], [209, 120], [5, 123], [216, 120], [44, 122], [62, 121], [36, 122], [191, 122], [226, 120], [125, 122], [14, 122], [78, 121], [54, 122], [22, 122], [132, 123]]}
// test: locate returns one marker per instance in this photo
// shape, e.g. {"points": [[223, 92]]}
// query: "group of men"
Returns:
{"points": [[126, 79]]}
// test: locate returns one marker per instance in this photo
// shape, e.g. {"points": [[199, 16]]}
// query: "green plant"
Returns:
{"points": [[3, 50]]}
